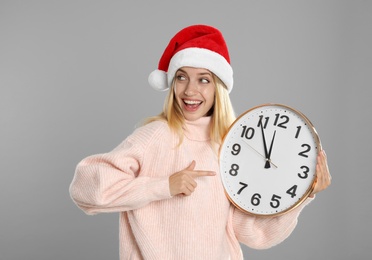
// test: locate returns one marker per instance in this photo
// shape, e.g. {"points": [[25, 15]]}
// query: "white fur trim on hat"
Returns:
{"points": [[201, 58]]}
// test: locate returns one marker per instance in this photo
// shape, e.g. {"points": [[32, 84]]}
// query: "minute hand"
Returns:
{"points": [[267, 164], [267, 154]]}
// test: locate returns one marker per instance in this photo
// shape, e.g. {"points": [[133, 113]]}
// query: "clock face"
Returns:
{"points": [[268, 159]]}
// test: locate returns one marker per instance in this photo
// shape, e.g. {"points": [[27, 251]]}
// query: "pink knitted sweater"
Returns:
{"points": [[133, 180]]}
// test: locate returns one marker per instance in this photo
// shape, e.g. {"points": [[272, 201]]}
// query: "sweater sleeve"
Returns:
{"points": [[112, 182], [264, 232]]}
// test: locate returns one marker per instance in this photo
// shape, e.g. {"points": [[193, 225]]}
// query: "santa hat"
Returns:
{"points": [[198, 46]]}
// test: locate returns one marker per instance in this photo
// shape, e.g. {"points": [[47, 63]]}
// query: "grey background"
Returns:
{"points": [[73, 79]]}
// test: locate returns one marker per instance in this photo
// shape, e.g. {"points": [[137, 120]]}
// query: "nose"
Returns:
{"points": [[191, 88]]}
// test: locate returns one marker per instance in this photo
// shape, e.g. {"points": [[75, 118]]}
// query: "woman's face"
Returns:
{"points": [[194, 91]]}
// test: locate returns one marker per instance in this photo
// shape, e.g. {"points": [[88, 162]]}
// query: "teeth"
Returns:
{"points": [[192, 102]]}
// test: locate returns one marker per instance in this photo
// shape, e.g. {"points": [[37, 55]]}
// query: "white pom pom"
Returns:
{"points": [[158, 80]]}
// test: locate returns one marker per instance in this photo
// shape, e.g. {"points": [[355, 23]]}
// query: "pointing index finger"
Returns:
{"points": [[196, 174]]}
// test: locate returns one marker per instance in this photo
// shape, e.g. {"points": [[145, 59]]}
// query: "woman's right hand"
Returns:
{"points": [[183, 182]]}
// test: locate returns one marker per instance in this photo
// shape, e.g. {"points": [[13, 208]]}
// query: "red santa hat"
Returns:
{"points": [[198, 46]]}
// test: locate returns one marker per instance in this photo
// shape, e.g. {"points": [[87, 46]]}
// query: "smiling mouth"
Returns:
{"points": [[192, 104]]}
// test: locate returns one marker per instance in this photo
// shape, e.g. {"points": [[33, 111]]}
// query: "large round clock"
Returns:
{"points": [[268, 159]]}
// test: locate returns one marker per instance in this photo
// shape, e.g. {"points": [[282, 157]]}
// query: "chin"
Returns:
{"points": [[192, 117]]}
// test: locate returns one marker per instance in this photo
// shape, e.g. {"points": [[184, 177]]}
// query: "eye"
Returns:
{"points": [[180, 77], [205, 80]]}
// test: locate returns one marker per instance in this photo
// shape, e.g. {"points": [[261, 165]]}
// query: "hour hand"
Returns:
{"points": [[268, 159]]}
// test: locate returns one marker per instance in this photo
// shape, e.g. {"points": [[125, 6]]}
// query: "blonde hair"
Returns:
{"points": [[223, 114]]}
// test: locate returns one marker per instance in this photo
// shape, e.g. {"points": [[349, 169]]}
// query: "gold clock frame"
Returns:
{"points": [[319, 148]]}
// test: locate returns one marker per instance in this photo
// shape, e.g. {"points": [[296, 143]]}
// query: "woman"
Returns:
{"points": [[163, 179]]}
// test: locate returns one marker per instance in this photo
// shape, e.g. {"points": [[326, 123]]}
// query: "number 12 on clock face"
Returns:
{"points": [[268, 159]]}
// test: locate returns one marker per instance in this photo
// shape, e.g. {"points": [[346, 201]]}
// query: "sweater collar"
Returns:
{"points": [[198, 130]]}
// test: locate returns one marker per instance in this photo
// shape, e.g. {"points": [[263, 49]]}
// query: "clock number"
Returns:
{"points": [[292, 191], [275, 203], [281, 124], [248, 132], [306, 170], [235, 149], [244, 185], [255, 200], [307, 149], [234, 169], [298, 131], [260, 122]]}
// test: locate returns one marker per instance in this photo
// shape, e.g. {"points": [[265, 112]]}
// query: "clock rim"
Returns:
{"points": [[311, 186]]}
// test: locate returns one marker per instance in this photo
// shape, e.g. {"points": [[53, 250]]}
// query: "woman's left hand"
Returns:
{"points": [[323, 177]]}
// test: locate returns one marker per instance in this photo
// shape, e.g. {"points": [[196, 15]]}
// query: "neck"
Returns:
{"points": [[198, 130]]}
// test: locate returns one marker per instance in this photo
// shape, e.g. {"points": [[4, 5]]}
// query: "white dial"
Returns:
{"points": [[268, 159]]}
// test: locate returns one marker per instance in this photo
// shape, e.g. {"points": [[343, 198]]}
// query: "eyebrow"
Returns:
{"points": [[200, 74]]}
